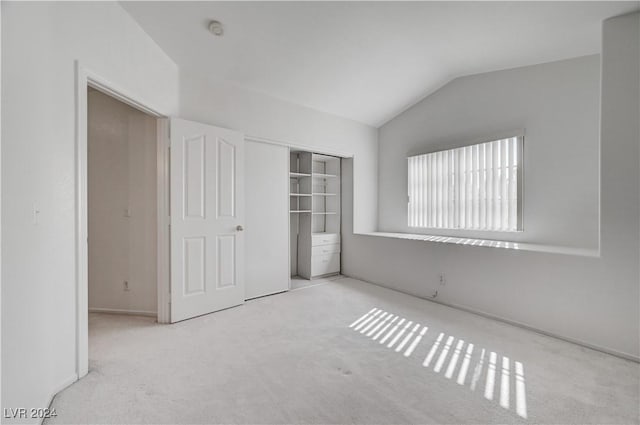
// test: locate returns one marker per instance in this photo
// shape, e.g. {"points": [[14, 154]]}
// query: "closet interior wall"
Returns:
{"points": [[314, 205]]}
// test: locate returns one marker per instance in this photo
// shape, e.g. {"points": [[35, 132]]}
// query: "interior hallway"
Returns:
{"points": [[292, 358]]}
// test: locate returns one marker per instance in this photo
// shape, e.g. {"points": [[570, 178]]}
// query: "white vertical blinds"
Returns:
{"points": [[476, 187]]}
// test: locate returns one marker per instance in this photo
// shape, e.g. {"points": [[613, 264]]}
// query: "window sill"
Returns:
{"points": [[486, 243]]}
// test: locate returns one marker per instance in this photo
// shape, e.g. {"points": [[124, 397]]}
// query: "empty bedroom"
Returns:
{"points": [[344, 212]]}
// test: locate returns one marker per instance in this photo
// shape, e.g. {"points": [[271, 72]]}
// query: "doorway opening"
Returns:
{"points": [[122, 215], [121, 207], [126, 118]]}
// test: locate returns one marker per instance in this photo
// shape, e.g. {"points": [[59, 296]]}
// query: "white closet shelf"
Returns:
{"points": [[314, 202]]}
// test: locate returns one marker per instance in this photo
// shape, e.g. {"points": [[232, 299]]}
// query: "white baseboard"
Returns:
{"points": [[120, 311], [64, 384], [620, 354]]}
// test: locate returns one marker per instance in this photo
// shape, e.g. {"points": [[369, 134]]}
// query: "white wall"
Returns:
{"points": [[557, 104], [1, 95], [593, 300], [40, 42], [620, 173], [122, 210]]}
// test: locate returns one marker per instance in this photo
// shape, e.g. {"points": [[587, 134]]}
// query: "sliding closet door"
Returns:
{"points": [[267, 219]]}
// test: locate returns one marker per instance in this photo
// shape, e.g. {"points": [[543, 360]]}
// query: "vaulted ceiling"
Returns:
{"points": [[368, 61]]}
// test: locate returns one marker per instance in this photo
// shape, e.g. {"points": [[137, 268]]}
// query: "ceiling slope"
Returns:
{"points": [[368, 61]]}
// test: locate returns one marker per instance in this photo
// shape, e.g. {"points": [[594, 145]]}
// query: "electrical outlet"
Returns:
{"points": [[125, 285], [442, 279]]}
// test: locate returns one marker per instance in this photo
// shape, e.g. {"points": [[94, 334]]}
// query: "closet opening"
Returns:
{"points": [[314, 205], [122, 213]]}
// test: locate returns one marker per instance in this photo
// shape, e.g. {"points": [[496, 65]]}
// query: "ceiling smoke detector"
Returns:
{"points": [[215, 27]]}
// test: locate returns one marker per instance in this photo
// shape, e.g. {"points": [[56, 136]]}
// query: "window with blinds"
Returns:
{"points": [[476, 187]]}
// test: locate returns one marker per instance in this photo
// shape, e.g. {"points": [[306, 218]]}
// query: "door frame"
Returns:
{"points": [[86, 78]]}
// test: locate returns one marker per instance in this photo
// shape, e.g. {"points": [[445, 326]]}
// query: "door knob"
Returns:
{"points": [[239, 228]]}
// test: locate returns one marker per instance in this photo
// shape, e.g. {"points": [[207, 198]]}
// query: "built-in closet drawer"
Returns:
{"points": [[325, 239], [325, 264], [325, 249]]}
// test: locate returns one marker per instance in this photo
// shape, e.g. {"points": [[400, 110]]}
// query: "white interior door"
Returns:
{"points": [[207, 203]]}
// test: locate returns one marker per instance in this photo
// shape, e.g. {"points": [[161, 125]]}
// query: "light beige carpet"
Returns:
{"points": [[293, 358]]}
